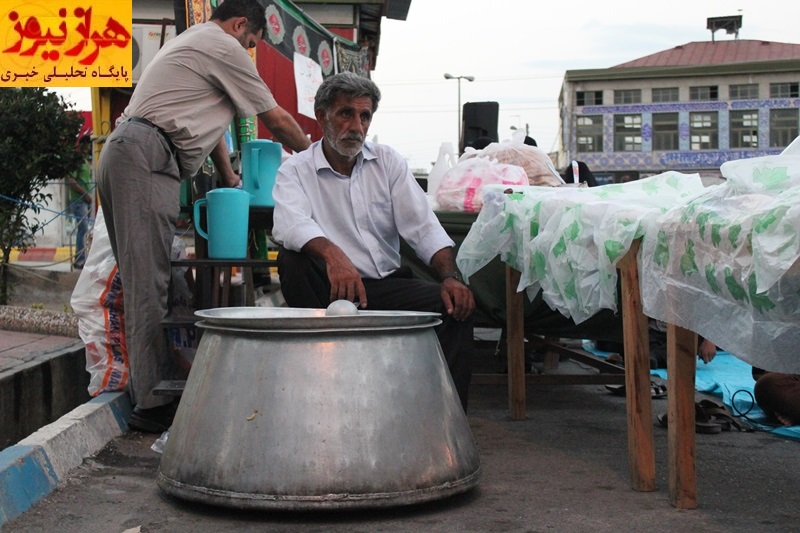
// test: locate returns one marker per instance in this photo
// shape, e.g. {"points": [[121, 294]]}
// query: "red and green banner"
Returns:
{"points": [[291, 31]]}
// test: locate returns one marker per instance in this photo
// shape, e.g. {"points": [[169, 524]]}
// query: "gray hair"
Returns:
{"points": [[347, 84]]}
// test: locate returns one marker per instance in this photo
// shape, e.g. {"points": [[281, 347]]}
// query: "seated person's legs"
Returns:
{"points": [[778, 395], [304, 281]]}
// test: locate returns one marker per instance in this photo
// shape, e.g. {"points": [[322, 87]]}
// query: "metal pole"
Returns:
{"points": [[458, 114], [448, 76]]}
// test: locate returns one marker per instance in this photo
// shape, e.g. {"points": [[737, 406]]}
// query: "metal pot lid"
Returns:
{"points": [[286, 318]]}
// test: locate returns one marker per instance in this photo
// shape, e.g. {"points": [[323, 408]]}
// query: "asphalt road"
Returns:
{"points": [[563, 469]]}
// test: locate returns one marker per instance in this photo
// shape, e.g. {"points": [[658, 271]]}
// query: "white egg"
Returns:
{"points": [[341, 308]]}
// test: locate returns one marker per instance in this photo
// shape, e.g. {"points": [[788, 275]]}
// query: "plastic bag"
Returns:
{"points": [[536, 164], [160, 442], [445, 161], [97, 302], [726, 264], [461, 185]]}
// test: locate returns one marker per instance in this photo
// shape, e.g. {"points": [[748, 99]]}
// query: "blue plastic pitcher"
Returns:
{"points": [[228, 217], [260, 161]]}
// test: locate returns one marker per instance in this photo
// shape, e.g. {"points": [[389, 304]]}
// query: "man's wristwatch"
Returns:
{"points": [[455, 275]]}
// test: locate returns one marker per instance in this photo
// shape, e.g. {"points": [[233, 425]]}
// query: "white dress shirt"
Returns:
{"points": [[364, 214]]}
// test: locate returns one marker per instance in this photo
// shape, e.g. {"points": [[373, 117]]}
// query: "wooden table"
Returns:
{"points": [[681, 355]]}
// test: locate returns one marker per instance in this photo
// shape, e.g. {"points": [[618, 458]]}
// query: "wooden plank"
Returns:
{"points": [[552, 379], [681, 367], [169, 388], [224, 263], [582, 356], [515, 331], [551, 357], [641, 451]]}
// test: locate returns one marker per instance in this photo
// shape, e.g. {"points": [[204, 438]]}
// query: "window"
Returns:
{"points": [[665, 131], [703, 133], [783, 125], [665, 94], [628, 96], [589, 133], [590, 98], [744, 129], [784, 90], [703, 93], [748, 91], [628, 133]]}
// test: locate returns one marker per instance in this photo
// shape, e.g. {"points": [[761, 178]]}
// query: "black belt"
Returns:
{"points": [[161, 132]]}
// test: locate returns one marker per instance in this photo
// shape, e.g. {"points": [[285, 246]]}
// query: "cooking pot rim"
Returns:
{"points": [[289, 318], [305, 331]]}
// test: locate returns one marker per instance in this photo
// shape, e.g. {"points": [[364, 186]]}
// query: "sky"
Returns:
{"points": [[518, 52]]}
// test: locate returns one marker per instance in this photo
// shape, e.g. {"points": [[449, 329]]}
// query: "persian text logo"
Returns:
{"points": [[65, 43]]}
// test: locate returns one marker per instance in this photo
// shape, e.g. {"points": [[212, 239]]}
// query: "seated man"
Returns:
{"points": [[341, 208]]}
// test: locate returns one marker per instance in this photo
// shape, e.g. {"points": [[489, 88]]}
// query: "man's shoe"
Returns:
{"points": [[154, 420]]}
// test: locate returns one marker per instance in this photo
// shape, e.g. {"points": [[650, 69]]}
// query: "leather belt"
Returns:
{"points": [[161, 132]]}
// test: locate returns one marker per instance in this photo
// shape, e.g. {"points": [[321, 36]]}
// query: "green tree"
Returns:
{"points": [[38, 134]]}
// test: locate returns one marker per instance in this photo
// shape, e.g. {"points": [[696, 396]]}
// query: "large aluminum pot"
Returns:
{"points": [[291, 409]]}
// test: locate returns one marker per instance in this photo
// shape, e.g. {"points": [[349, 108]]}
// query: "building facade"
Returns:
{"points": [[690, 109]]}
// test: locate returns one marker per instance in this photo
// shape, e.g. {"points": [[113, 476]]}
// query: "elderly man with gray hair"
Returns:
{"points": [[341, 208]]}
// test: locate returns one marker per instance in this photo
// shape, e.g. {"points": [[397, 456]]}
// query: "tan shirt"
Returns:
{"points": [[194, 87]]}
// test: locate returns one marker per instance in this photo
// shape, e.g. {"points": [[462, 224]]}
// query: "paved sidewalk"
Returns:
{"points": [[18, 349]]}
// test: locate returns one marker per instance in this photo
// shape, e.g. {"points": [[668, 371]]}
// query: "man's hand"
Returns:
{"points": [[227, 176], [457, 298], [230, 180], [707, 351], [345, 280]]}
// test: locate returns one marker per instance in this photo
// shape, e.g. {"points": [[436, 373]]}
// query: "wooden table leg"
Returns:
{"points": [[515, 339], [641, 452], [681, 367], [215, 287], [225, 299], [249, 288]]}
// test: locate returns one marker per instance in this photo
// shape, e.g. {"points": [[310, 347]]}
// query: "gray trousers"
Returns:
{"points": [[139, 185]]}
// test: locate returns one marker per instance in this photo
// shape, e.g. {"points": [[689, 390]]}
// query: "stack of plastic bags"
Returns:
{"points": [[725, 264], [567, 241]]}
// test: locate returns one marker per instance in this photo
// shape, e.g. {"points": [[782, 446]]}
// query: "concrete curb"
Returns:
{"points": [[31, 469]]}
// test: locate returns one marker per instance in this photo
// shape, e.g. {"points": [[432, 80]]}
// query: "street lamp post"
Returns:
{"points": [[458, 109]]}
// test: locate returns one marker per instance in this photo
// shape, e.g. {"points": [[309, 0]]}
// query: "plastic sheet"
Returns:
{"points": [[566, 241], [725, 264]]}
